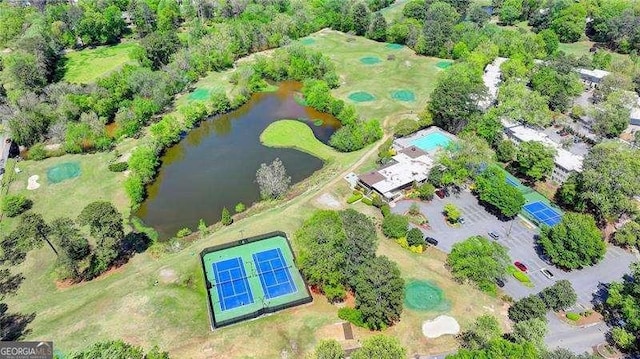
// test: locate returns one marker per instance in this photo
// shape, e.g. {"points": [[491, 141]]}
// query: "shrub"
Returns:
{"points": [[118, 166], [202, 228], [334, 293], [183, 232], [395, 225], [354, 197], [452, 213], [572, 316], [414, 209], [414, 237], [521, 277], [352, 316], [385, 209], [13, 205], [240, 207], [226, 217], [426, 191], [402, 241], [135, 189], [37, 152], [417, 249], [377, 201], [406, 127], [367, 201]]}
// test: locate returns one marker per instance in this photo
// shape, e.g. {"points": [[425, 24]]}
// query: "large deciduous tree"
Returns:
{"points": [[535, 160], [456, 96], [516, 101], [379, 292], [559, 296], [527, 308], [378, 28], [575, 242], [478, 260], [610, 179], [380, 347], [612, 117], [360, 17], [273, 180], [440, 20], [493, 189]]}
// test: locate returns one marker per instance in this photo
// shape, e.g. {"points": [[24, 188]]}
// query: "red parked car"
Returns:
{"points": [[520, 266]]}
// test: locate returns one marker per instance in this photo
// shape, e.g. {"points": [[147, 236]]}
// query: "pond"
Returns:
{"points": [[215, 165]]}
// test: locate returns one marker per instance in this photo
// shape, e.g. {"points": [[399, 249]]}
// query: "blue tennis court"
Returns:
{"points": [[543, 213], [512, 182], [232, 284], [274, 274]]}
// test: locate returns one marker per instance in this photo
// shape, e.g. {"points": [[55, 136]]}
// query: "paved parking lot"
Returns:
{"points": [[518, 236]]}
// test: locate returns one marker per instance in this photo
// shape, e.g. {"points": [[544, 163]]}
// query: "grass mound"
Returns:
{"points": [[403, 95], [307, 41], [295, 134], [63, 172], [424, 295], [370, 60], [361, 96], [199, 95], [444, 64], [394, 46]]}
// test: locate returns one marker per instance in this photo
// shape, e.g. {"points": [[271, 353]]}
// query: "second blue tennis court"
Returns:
{"points": [[232, 284], [543, 213], [274, 274]]}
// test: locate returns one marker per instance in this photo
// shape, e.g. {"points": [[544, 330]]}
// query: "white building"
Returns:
{"points": [[409, 165], [565, 161], [491, 79], [592, 77]]}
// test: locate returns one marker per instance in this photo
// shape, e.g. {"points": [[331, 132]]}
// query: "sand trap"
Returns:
{"points": [[328, 200], [168, 275], [32, 183], [440, 326]]}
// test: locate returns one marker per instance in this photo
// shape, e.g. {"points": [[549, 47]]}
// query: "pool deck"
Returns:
{"points": [[408, 141]]}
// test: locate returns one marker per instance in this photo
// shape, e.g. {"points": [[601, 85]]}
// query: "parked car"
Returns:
{"points": [[1, 171], [494, 235], [431, 240], [499, 282], [461, 220], [440, 193], [546, 273], [520, 266]]}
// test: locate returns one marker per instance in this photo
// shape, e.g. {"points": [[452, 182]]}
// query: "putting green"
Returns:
{"points": [[361, 96], [199, 95], [424, 295], [394, 46], [370, 60], [307, 41], [444, 64], [63, 172], [403, 95]]}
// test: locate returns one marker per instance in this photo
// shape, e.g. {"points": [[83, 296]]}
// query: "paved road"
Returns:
{"points": [[562, 335], [518, 236]]}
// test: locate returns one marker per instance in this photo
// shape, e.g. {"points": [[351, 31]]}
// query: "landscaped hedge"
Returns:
{"points": [[573, 316], [118, 166], [352, 316], [354, 197]]}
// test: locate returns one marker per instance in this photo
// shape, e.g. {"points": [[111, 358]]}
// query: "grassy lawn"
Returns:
{"points": [[127, 302], [67, 198], [88, 65], [407, 71], [298, 135], [394, 11]]}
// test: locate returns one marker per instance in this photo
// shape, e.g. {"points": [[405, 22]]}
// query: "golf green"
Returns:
{"points": [[361, 96], [403, 95], [424, 295], [199, 95], [394, 46], [444, 64], [370, 60]]}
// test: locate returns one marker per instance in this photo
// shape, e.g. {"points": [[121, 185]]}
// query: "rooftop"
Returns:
{"points": [[595, 74], [491, 78], [564, 158]]}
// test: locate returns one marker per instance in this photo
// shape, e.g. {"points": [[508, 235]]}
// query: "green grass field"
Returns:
{"points": [[88, 65], [127, 304], [298, 135], [407, 71]]}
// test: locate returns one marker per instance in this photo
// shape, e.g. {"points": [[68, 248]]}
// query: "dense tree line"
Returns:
{"points": [[622, 310], [76, 258], [337, 253]]}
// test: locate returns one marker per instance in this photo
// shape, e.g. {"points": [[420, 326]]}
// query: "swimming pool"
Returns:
{"points": [[431, 141]]}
